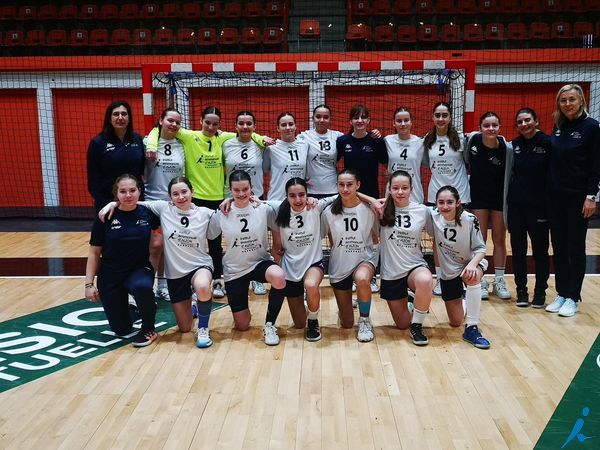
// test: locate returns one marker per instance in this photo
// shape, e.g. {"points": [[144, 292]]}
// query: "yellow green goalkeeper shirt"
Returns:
{"points": [[204, 160]]}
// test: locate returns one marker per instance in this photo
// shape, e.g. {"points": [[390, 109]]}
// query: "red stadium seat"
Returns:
{"points": [[232, 10], [192, 11], [99, 37], [47, 12], [35, 37], [516, 31], [207, 37], [229, 37], [450, 32], [384, 34], [467, 7], [407, 33], [560, 30], [56, 38], [163, 36], [8, 12], [360, 8], [78, 37], [253, 10], [574, 6], [551, 6], [129, 11], [27, 12], [494, 32], [403, 7], [274, 9], [382, 8], [68, 12], [509, 7], [14, 37], [88, 12], [427, 33], [185, 36], [358, 33], [425, 7], [170, 11], [531, 6], [539, 30], [488, 6], [581, 29], [141, 36], [473, 32], [310, 28], [272, 36], [594, 5], [149, 11], [120, 36], [445, 7], [211, 10], [109, 12], [251, 36]]}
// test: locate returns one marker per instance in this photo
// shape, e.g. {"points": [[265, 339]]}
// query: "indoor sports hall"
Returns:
{"points": [[68, 381]]}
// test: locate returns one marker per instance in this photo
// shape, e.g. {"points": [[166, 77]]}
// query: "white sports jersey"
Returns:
{"points": [[457, 245], [407, 155], [170, 163], [400, 245], [321, 164], [245, 233], [285, 160], [352, 243], [184, 237], [246, 156], [302, 239], [447, 168]]}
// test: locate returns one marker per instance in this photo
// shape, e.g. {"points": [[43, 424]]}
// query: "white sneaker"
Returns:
{"points": [[569, 308], [218, 290], [437, 289], [353, 286], [374, 286], [258, 288], [500, 290], [163, 293], [365, 330], [131, 300], [270, 334], [203, 339], [485, 292], [555, 306]]}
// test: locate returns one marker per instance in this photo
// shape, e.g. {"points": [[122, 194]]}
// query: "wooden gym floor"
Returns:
{"points": [[336, 393]]}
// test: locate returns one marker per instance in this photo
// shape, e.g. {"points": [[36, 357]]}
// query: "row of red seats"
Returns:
{"points": [[192, 10], [406, 7], [471, 32], [142, 36]]}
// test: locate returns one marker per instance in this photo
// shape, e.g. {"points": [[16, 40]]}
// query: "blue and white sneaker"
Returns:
{"points": [[203, 339], [473, 336], [555, 306], [569, 308], [258, 288], [194, 305]]}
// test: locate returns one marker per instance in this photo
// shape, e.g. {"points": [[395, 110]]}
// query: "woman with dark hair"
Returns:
{"points": [[114, 151], [572, 189], [527, 165], [119, 256]]}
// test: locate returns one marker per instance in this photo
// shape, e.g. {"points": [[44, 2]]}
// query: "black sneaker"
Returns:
{"points": [[522, 299], [416, 332], [313, 332], [539, 300], [144, 338]]}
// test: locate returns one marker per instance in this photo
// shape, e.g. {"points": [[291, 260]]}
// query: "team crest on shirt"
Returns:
{"points": [[348, 148], [368, 149], [539, 150], [142, 222], [576, 135], [474, 150], [109, 147]]}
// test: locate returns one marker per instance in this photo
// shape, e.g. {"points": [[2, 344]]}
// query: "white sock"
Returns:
{"points": [[473, 298], [162, 283], [438, 272], [499, 273], [418, 316], [313, 315]]}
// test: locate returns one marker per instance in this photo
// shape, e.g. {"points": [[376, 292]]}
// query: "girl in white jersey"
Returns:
{"points": [[321, 163], [402, 263], [461, 251], [244, 229], [188, 266], [353, 256], [445, 157], [405, 152], [166, 163]]}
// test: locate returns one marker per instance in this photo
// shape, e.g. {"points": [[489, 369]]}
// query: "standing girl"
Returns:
{"points": [[247, 258], [486, 152], [402, 262], [119, 256], [527, 171], [353, 256]]}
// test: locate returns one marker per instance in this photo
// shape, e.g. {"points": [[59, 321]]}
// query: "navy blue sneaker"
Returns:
{"points": [[473, 336]]}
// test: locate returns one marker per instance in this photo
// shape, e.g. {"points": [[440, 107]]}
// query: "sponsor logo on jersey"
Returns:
{"points": [[539, 150], [473, 150], [348, 148], [576, 135], [109, 147], [517, 150]]}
